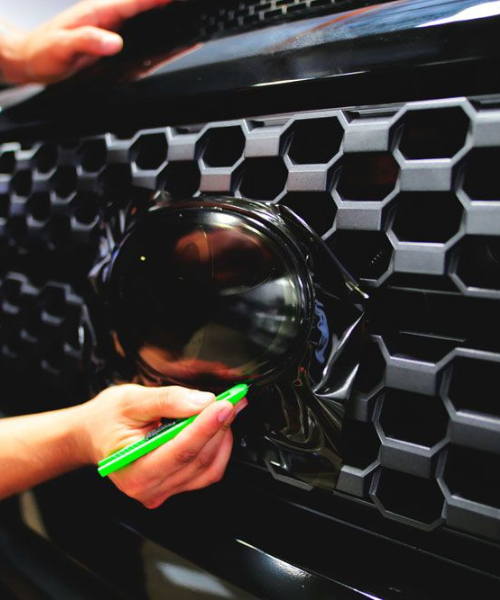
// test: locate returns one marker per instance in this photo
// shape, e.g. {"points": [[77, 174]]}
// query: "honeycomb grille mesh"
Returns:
{"points": [[407, 196]]}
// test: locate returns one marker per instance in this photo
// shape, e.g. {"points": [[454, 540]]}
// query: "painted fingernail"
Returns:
{"points": [[240, 406], [225, 412], [201, 398]]}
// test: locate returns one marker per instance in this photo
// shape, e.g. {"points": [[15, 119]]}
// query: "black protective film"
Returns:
{"points": [[210, 292]]}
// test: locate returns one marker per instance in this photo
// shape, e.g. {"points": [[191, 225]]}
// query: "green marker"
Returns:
{"points": [[159, 436]]}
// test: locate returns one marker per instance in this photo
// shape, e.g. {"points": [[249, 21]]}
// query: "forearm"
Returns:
{"points": [[35, 448], [11, 43]]}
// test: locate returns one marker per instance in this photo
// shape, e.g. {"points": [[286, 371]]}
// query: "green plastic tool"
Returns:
{"points": [[160, 435]]}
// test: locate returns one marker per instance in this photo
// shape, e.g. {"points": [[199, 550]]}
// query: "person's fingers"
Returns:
{"points": [[147, 404], [108, 14], [210, 469], [186, 446], [87, 40]]}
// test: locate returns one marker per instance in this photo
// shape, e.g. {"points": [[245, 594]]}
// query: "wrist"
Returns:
{"points": [[77, 419]]}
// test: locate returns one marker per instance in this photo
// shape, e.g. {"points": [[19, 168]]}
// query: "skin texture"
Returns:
{"points": [[71, 41], [35, 448]]}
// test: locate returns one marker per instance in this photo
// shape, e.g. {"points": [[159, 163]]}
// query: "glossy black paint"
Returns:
{"points": [[391, 51]]}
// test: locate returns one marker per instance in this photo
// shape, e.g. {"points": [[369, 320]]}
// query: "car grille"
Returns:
{"points": [[408, 198]]}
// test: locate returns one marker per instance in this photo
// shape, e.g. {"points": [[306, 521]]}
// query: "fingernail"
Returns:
{"points": [[225, 412], [201, 398], [111, 43], [240, 406]]}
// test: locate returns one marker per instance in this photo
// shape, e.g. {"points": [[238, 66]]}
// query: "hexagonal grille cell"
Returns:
{"points": [[150, 151], [21, 183], [53, 300], [65, 181], [58, 231], [371, 370], [223, 146], [46, 158], [39, 206], [367, 176], [433, 133], [427, 216], [85, 207], [473, 475], [413, 417], [409, 496], [479, 262], [314, 141], [316, 208], [481, 179], [7, 162], [360, 444], [475, 386], [4, 206], [181, 179], [366, 254], [115, 180], [263, 178], [93, 155]]}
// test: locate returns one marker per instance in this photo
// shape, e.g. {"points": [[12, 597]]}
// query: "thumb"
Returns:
{"points": [[147, 404]]}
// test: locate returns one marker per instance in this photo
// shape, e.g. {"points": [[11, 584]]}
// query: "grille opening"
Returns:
{"points": [[481, 180], [7, 163], [149, 151], [314, 141], [32, 324], [93, 155], [460, 318], [367, 176], [419, 347], [317, 209], [54, 356], [4, 206], [473, 475], [58, 231], [479, 262], [366, 254], [11, 291], [115, 180], [409, 496], [371, 370], [263, 178], [475, 386], [39, 206], [360, 444], [69, 144], [434, 133], [53, 301], [46, 158], [181, 179], [17, 229], [223, 146], [413, 418], [427, 217], [21, 183], [65, 181], [85, 208]]}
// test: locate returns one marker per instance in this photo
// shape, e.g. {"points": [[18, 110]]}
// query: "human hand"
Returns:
{"points": [[72, 40], [195, 458]]}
